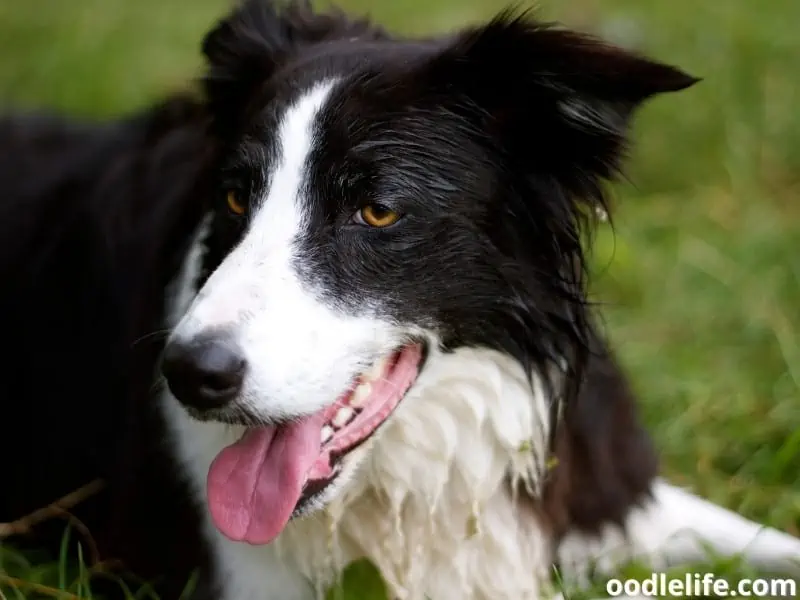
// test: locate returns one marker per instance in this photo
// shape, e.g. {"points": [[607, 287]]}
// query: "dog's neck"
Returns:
{"points": [[433, 504]]}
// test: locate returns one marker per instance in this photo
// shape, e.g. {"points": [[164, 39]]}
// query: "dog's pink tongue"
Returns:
{"points": [[254, 485]]}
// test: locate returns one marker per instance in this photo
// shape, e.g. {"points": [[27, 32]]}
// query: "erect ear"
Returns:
{"points": [[558, 99], [246, 48]]}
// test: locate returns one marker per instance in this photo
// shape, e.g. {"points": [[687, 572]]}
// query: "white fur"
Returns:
{"points": [[674, 528], [427, 499]]}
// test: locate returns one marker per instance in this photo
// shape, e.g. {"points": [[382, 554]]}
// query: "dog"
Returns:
{"points": [[336, 309]]}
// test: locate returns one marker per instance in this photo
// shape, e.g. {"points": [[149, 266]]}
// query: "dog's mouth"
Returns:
{"points": [[257, 484]]}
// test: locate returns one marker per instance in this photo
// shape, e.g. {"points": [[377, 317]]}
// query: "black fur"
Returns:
{"points": [[94, 221], [477, 138]]}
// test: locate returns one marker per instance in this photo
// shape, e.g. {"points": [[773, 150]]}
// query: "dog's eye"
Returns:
{"points": [[235, 204], [377, 215]]}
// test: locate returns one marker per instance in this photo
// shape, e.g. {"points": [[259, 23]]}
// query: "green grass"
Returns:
{"points": [[701, 278]]}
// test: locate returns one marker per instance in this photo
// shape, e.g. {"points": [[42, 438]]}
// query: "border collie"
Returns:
{"points": [[359, 262]]}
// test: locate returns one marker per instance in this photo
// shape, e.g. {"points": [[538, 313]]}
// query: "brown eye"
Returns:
{"points": [[377, 215], [235, 204]]}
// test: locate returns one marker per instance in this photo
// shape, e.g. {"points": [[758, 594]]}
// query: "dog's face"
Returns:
{"points": [[382, 202]]}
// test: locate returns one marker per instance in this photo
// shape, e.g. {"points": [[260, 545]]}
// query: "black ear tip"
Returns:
{"points": [[675, 80], [685, 81]]}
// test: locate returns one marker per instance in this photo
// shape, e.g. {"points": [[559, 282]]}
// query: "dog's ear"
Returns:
{"points": [[560, 101], [245, 49], [242, 51]]}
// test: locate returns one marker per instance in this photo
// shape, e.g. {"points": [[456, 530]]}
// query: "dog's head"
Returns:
{"points": [[382, 202]]}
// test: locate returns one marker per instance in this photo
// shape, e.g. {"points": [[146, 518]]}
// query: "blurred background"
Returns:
{"points": [[700, 277]]}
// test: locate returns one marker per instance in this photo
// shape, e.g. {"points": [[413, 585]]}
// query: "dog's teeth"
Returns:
{"points": [[341, 418], [377, 370], [360, 395], [327, 433]]}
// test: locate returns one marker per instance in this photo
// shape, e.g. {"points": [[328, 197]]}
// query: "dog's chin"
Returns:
{"points": [[296, 467]]}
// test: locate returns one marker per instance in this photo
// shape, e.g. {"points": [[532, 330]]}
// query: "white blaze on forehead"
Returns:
{"points": [[301, 352], [278, 218], [266, 251]]}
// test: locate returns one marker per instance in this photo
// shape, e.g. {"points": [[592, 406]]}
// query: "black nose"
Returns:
{"points": [[204, 372]]}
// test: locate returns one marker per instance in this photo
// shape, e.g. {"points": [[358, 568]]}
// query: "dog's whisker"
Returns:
{"points": [[153, 334]]}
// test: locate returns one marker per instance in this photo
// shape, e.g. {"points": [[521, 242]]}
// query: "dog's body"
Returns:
{"points": [[94, 222], [401, 247]]}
